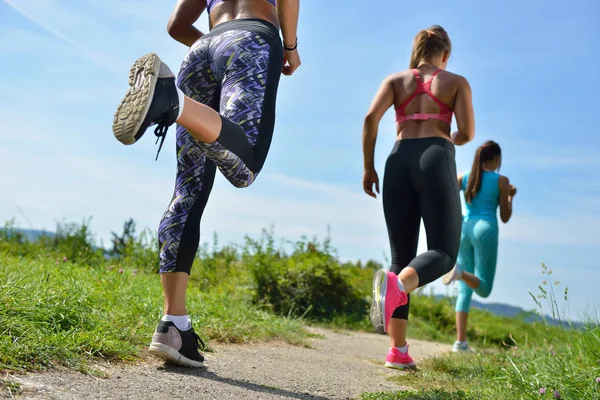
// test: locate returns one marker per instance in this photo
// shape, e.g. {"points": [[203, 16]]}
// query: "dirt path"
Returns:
{"points": [[339, 366]]}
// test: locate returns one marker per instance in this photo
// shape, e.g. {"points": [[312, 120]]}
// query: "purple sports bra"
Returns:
{"points": [[211, 3]]}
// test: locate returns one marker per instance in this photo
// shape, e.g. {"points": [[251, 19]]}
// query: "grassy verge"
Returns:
{"points": [[518, 374], [561, 363], [67, 314], [9, 386], [62, 302]]}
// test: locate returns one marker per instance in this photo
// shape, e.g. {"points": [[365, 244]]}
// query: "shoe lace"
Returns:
{"points": [[160, 132], [162, 126], [199, 341]]}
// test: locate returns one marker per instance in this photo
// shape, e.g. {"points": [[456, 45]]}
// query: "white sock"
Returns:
{"points": [[458, 272], [180, 96], [402, 349], [401, 285], [182, 322]]}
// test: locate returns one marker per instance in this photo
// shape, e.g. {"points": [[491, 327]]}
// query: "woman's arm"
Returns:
{"points": [[287, 12], [460, 180], [506, 197], [382, 101], [465, 117], [182, 19]]}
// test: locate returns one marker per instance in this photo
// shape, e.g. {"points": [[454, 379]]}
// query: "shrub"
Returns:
{"points": [[75, 243], [71, 242], [310, 282]]}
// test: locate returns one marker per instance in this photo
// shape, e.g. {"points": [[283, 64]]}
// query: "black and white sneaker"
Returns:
{"points": [[151, 100], [177, 346]]}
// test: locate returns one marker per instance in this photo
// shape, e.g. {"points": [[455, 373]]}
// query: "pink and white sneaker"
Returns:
{"points": [[388, 294], [398, 360]]}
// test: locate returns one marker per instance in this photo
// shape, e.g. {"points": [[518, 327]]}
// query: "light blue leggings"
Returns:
{"points": [[478, 255]]}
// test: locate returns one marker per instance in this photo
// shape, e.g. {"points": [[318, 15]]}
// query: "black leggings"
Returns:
{"points": [[420, 182]]}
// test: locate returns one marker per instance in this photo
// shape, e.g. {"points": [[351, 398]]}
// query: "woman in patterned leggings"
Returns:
{"points": [[484, 190], [224, 105]]}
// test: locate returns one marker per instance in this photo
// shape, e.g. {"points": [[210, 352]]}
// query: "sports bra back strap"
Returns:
{"points": [[416, 73], [433, 75]]}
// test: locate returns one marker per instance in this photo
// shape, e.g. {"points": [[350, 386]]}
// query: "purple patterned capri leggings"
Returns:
{"points": [[235, 69]]}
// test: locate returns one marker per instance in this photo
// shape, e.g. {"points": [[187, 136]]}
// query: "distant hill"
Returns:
{"points": [[33, 234], [505, 310]]}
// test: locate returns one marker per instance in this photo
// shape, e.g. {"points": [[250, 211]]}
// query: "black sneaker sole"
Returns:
{"points": [[171, 355], [133, 108]]}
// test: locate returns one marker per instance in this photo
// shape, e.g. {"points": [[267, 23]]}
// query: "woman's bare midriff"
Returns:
{"points": [[423, 129], [230, 10]]}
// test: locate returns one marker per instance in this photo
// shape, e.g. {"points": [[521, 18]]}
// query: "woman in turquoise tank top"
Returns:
{"points": [[484, 190]]}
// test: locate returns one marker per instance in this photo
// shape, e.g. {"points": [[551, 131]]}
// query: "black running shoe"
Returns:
{"points": [[151, 100], [176, 346]]}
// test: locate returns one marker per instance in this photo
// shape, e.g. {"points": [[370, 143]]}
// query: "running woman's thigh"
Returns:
{"points": [[401, 211], [249, 69], [196, 78], [485, 243], [440, 197], [246, 59], [466, 253]]}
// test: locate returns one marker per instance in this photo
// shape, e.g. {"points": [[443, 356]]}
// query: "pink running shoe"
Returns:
{"points": [[388, 294], [398, 360]]}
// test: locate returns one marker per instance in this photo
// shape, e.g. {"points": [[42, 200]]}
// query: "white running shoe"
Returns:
{"points": [[461, 347], [454, 275]]}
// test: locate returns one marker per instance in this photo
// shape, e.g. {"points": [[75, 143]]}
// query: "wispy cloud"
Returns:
{"points": [[556, 161], [83, 50], [548, 156], [573, 230]]}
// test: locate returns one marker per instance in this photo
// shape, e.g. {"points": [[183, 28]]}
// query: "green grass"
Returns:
{"points": [[62, 303], [562, 362], [10, 386], [67, 314], [434, 319], [514, 374], [422, 394]]}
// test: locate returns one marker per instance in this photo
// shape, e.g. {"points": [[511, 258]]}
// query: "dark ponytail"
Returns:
{"points": [[484, 153], [429, 43]]}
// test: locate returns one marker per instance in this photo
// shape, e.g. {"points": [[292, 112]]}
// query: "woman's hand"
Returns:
{"points": [[370, 177], [513, 191], [291, 62]]}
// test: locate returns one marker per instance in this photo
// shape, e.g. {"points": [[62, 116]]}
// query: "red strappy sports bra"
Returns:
{"points": [[445, 113]]}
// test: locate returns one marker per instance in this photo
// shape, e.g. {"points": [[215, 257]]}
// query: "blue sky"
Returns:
{"points": [[532, 67]]}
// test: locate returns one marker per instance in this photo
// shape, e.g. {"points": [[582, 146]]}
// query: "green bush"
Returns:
{"points": [[76, 244], [310, 282], [135, 251], [72, 242], [220, 268]]}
